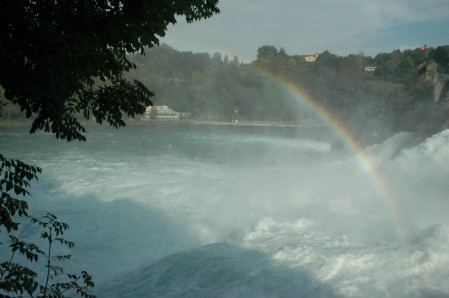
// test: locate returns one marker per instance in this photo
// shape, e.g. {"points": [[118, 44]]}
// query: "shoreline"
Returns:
{"points": [[247, 123], [16, 123], [416, 138]]}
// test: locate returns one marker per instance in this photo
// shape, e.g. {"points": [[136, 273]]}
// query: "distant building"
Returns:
{"points": [[163, 113], [369, 68], [311, 58]]}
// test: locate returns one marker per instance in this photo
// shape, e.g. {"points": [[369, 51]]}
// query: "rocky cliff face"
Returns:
{"points": [[429, 112], [440, 84], [441, 92], [441, 96]]}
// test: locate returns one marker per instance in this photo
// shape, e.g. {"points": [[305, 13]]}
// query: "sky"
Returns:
{"points": [[301, 27]]}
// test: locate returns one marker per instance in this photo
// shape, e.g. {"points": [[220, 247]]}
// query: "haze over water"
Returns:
{"points": [[233, 211]]}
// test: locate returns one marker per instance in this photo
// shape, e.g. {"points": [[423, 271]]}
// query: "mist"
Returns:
{"points": [[246, 211]]}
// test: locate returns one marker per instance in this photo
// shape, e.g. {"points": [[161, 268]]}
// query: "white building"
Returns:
{"points": [[311, 58], [163, 113], [370, 68]]}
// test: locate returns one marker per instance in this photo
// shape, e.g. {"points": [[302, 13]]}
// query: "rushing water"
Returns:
{"points": [[231, 211]]}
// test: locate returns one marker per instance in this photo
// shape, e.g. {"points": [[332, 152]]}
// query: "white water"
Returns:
{"points": [[244, 212]]}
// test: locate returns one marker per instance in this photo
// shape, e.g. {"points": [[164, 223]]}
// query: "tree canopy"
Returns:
{"points": [[398, 96], [59, 58], [63, 57], [441, 56]]}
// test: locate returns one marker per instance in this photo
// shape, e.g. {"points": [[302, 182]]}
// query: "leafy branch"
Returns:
{"points": [[15, 178], [15, 278]]}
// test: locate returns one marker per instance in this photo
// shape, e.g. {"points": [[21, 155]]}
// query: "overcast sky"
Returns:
{"points": [[342, 27]]}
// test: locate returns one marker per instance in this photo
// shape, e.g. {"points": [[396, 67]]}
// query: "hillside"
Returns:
{"points": [[401, 91], [407, 91]]}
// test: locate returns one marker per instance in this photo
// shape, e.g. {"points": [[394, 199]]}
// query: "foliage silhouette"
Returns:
{"points": [[60, 60], [53, 68], [15, 278]]}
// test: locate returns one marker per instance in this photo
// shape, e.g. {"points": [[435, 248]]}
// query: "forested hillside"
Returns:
{"points": [[212, 88], [407, 90]]}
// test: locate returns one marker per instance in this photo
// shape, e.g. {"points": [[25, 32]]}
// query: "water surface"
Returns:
{"points": [[233, 211]]}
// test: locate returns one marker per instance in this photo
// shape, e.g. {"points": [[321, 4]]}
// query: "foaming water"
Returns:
{"points": [[205, 211]]}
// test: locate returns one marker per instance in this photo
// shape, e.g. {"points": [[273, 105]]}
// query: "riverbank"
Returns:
{"points": [[7, 123], [367, 139], [248, 123], [11, 123]]}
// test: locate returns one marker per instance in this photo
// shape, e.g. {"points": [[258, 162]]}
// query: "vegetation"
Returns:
{"points": [[398, 95], [401, 94], [66, 60], [61, 60], [15, 277], [83, 65]]}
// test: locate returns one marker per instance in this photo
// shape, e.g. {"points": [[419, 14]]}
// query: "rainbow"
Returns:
{"points": [[369, 166]]}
